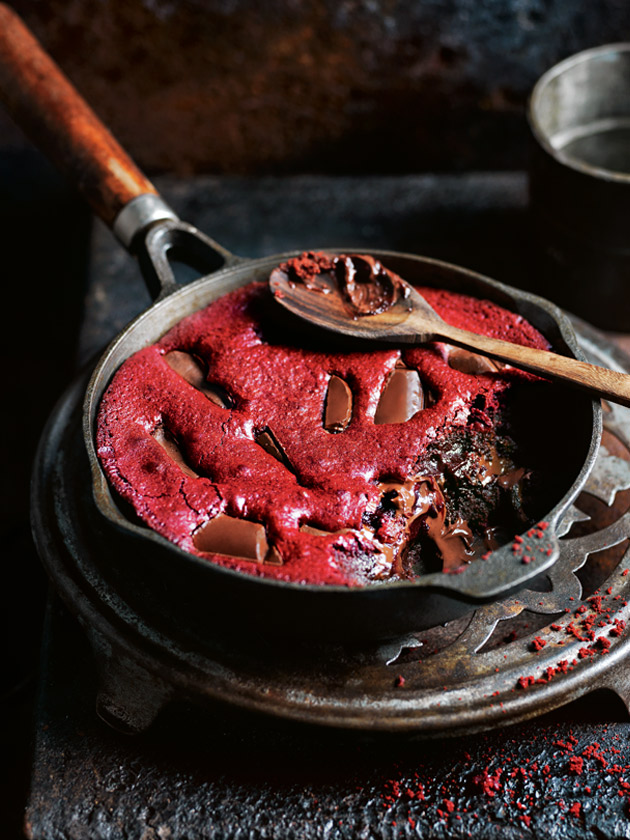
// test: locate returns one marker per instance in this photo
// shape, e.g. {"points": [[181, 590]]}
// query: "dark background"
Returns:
{"points": [[233, 88], [242, 86]]}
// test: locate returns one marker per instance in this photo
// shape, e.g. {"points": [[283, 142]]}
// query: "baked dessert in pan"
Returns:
{"points": [[240, 443]]}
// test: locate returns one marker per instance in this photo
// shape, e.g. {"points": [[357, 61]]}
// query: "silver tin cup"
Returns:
{"points": [[579, 114]]}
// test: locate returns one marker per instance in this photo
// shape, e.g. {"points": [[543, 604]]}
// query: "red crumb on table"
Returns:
{"points": [[576, 764], [514, 784]]}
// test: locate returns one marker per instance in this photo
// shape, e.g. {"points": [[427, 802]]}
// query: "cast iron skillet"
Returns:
{"points": [[146, 566]]}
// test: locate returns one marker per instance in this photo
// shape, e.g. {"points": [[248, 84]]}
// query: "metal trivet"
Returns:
{"points": [[511, 660]]}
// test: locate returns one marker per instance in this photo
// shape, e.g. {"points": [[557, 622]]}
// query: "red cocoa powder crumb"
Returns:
{"points": [[625, 572], [307, 266], [576, 809], [538, 643], [576, 765], [487, 782], [593, 751], [618, 628], [573, 631], [399, 681]]}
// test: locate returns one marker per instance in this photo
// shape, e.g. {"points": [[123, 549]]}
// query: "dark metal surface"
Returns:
{"points": [[579, 115], [217, 774]]}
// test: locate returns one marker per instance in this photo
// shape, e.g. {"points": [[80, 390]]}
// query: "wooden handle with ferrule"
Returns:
{"points": [[602, 382], [58, 120]]}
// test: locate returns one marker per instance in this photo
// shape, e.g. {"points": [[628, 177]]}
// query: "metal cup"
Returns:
{"points": [[579, 114]]}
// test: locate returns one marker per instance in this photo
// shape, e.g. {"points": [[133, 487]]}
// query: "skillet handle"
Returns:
{"points": [[49, 109]]}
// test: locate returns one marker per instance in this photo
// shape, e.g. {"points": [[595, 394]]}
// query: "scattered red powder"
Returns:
{"points": [[576, 764], [488, 783]]}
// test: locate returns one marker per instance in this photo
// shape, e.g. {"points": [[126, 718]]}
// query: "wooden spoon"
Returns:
{"points": [[410, 319]]}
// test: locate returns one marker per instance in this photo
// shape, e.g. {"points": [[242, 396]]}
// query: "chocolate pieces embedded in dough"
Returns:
{"points": [[191, 369], [169, 445], [467, 362], [268, 442], [338, 410], [236, 538], [402, 397]]}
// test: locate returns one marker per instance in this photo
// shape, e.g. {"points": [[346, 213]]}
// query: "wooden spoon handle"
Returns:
{"points": [[46, 105], [610, 384]]}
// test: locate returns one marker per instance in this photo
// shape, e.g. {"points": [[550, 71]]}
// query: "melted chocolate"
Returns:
{"points": [[367, 286]]}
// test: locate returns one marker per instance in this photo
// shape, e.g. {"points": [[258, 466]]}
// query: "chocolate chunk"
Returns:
{"points": [[234, 537], [466, 362], [402, 397], [267, 440], [191, 369], [316, 532], [320, 532], [273, 558], [338, 411], [169, 445]]}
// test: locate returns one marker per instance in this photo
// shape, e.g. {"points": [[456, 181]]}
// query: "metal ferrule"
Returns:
{"points": [[138, 214]]}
